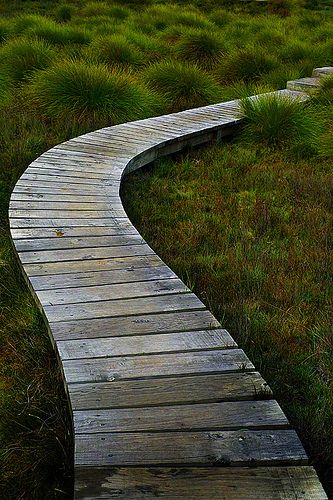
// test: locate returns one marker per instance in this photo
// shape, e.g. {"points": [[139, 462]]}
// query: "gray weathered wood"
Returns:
{"points": [[145, 344], [63, 242], [128, 275], [105, 264], [156, 365], [216, 448], [218, 416], [169, 390], [213, 483], [89, 253], [111, 292], [135, 325], [121, 307]]}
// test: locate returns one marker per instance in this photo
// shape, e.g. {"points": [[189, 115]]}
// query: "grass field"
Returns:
{"points": [[251, 231]]}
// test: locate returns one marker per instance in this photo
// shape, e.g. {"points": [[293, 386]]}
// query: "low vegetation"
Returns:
{"points": [[258, 214]]}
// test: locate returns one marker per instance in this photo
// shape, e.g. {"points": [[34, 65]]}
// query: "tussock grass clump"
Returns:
{"points": [[200, 47], [325, 92], [184, 85], [154, 48], [278, 77], [241, 90], [119, 13], [116, 49], [26, 21], [295, 51], [92, 9], [90, 93], [36, 26], [21, 57], [221, 17], [64, 12], [245, 64], [159, 17], [60, 35], [277, 121]]}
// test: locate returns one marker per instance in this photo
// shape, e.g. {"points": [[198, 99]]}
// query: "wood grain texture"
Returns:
{"points": [[81, 254], [76, 280], [105, 264], [169, 390], [216, 448], [121, 307], [111, 292], [62, 242], [215, 416], [135, 325], [145, 344], [155, 365], [198, 483]]}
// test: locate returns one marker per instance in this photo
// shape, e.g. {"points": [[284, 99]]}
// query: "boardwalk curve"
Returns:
{"points": [[164, 403]]}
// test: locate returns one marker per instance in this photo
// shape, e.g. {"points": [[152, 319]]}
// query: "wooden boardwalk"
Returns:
{"points": [[164, 403]]}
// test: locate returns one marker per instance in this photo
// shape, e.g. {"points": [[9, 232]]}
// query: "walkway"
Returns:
{"points": [[164, 402]]}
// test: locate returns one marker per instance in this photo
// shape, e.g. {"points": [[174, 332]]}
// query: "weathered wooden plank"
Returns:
{"points": [[70, 174], [60, 179], [190, 483], [135, 325], [139, 249], [156, 365], [241, 447], [71, 232], [114, 291], [91, 265], [123, 307], [173, 390], [66, 214], [64, 190], [53, 187], [67, 198], [127, 275], [62, 242], [63, 223], [74, 166], [215, 416], [145, 344], [51, 205]]}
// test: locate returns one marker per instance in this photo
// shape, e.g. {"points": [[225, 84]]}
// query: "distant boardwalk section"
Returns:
{"points": [[164, 403]]}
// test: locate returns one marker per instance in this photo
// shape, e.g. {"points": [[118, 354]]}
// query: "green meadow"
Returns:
{"points": [[246, 223]]}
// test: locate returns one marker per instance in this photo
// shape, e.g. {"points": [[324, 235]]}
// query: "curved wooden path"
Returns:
{"points": [[164, 403]]}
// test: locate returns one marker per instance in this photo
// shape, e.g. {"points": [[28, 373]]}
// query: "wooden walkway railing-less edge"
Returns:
{"points": [[164, 403]]}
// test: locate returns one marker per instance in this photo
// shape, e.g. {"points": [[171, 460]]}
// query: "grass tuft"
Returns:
{"points": [[91, 93], [21, 57], [199, 46], [184, 85], [116, 49], [276, 121], [247, 64]]}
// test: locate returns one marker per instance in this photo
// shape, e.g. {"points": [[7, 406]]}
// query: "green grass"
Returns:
{"points": [[70, 67], [199, 46], [184, 85], [21, 57], [278, 121], [90, 93], [116, 50], [249, 232]]}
